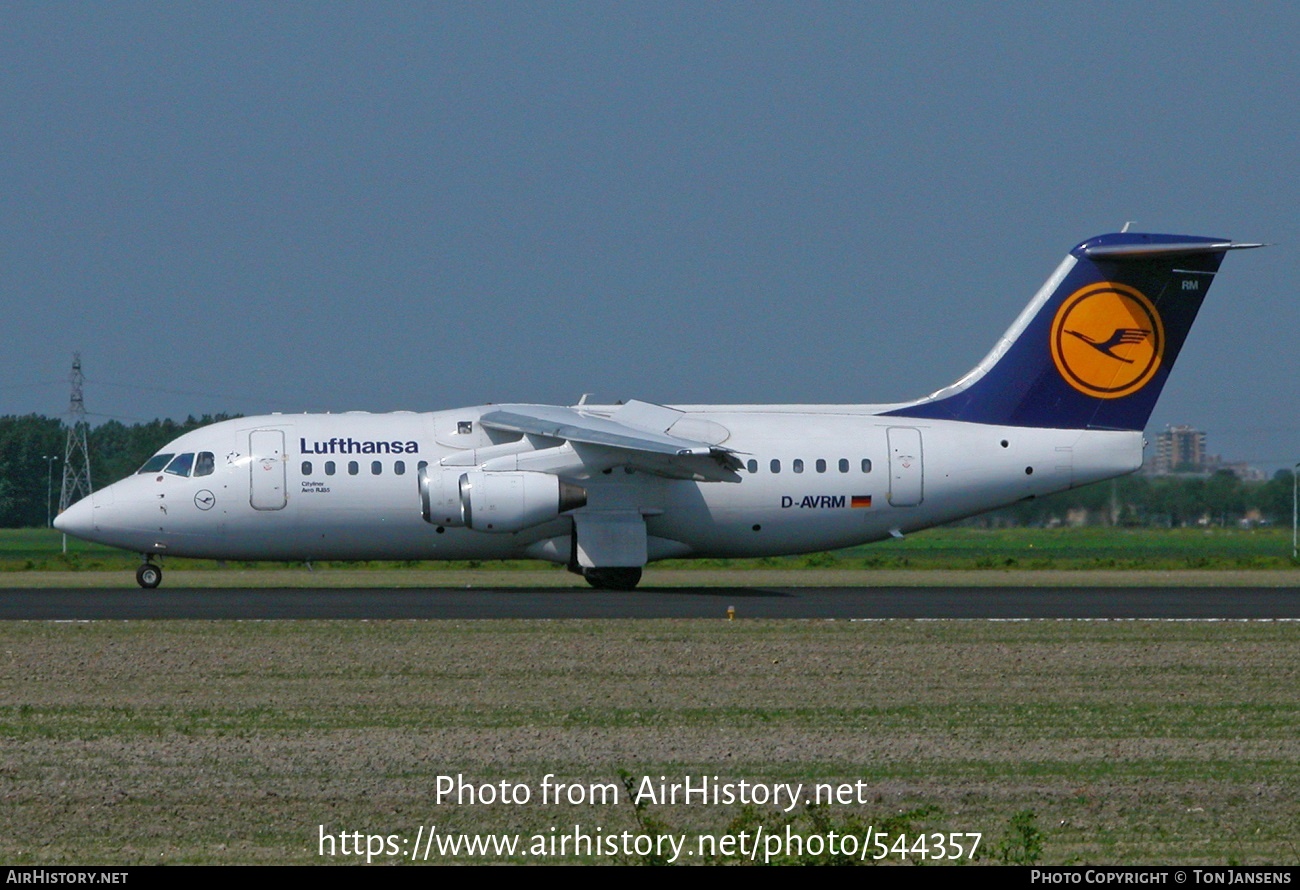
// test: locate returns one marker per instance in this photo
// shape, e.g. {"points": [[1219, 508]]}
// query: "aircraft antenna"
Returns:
{"points": [[76, 454]]}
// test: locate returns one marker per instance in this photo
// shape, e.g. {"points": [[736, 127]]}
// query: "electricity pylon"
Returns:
{"points": [[76, 455]]}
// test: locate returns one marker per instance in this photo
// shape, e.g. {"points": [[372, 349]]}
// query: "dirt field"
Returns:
{"points": [[239, 742]]}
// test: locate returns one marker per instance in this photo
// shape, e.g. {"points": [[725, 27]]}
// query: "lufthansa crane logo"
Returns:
{"points": [[1107, 340]]}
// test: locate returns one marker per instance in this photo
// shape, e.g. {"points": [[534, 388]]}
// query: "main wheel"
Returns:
{"points": [[622, 578], [148, 576]]}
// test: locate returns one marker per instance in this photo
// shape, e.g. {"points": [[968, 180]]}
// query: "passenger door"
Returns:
{"points": [[906, 473], [267, 469]]}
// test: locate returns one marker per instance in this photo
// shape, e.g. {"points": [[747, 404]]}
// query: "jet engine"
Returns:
{"points": [[496, 501]]}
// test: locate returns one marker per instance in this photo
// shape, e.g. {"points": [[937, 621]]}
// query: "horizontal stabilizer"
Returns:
{"points": [[1152, 251]]}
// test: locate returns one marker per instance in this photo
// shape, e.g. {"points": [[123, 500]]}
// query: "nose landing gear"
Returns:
{"points": [[148, 575]]}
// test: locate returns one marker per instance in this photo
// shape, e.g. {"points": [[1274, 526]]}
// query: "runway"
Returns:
{"points": [[1006, 603]]}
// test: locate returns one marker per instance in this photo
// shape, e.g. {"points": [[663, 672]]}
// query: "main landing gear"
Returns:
{"points": [[148, 575], [602, 577], [622, 578]]}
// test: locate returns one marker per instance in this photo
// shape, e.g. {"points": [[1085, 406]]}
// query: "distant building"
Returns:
{"points": [[1242, 471], [1180, 449]]}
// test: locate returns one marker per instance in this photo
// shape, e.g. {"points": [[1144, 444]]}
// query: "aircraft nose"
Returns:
{"points": [[79, 519]]}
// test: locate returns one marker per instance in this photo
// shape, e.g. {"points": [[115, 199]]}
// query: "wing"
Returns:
{"points": [[636, 435]]}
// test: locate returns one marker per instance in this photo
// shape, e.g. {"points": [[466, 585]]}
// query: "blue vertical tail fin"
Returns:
{"points": [[1094, 347]]}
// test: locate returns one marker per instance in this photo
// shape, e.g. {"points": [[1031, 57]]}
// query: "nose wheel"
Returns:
{"points": [[148, 576]]}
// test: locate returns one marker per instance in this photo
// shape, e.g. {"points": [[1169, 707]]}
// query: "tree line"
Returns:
{"points": [[1178, 500], [30, 482], [28, 477]]}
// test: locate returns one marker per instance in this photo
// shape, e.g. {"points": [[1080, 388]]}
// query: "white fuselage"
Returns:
{"points": [[1058, 402], [345, 486]]}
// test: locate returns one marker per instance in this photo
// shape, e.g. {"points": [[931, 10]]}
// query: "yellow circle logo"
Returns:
{"points": [[1107, 340]]}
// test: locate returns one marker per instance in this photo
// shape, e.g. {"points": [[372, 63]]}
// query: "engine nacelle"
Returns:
{"points": [[440, 496], [496, 501]]}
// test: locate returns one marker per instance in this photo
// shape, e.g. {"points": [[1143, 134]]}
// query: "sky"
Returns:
{"points": [[258, 207]]}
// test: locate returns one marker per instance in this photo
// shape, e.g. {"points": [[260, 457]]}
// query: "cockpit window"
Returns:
{"points": [[205, 464], [181, 464], [155, 463]]}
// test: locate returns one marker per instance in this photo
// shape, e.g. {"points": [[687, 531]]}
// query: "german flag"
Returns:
{"points": [[860, 500]]}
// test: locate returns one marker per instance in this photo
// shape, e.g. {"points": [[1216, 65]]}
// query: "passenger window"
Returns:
{"points": [[376, 468], [776, 465], [306, 468], [844, 464], [353, 468], [798, 465], [866, 465], [399, 468], [156, 463], [752, 465], [181, 464], [821, 465], [205, 464], [421, 465], [329, 468]]}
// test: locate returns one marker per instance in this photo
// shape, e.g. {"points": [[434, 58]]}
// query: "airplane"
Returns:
{"points": [[604, 489]]}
